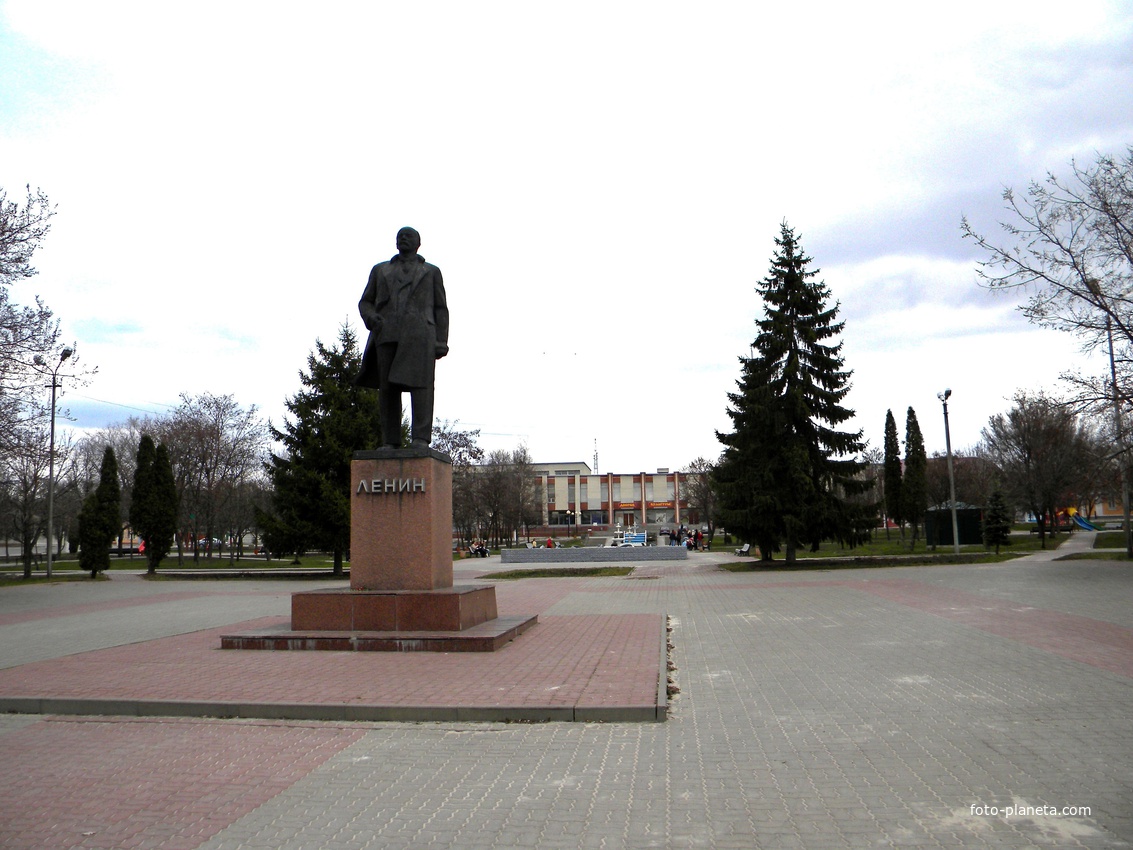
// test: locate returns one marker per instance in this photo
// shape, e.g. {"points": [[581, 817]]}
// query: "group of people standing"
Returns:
{"points": [[689, 538]]}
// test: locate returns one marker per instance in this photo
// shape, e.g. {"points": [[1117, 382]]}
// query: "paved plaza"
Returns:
{"points": [[952, 706]]}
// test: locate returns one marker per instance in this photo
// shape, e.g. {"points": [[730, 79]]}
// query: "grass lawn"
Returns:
{"points": [[893, 552], [12, 578], [68, 568], [1104, 540], [879, 546], [1110, 540], [1096, 556], [560, 572]]}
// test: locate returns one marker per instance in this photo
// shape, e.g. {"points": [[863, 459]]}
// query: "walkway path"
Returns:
{"points": [[902, 707]]}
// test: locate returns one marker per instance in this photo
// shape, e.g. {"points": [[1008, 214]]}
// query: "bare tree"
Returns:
{"points": [[458, 444], [215, 446], [1101, 470], [30, 354], [25, 331], [1070, 246], [461, 447], [527, 508], [698, 492], [505, 500], [975, 478], [22, 230], [494, 483], [25, 470], [1040, 449], [25, 474]]}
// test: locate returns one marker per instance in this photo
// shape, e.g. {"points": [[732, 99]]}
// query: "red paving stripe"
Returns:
{"points": [[1094, 642], [514, 598], [563, 661], [95, 607], [138, 784]]}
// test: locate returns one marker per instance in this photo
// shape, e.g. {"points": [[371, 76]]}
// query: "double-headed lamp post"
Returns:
{"points": [[944, 396], [42, 363]]}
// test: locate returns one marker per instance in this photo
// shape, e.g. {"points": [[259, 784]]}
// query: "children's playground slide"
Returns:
{"points": [[1086, 524]]}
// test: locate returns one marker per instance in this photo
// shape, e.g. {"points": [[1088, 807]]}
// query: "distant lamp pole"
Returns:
{"points": [[42, 363], [944, 396], [1095, 290], [1120, 444]]}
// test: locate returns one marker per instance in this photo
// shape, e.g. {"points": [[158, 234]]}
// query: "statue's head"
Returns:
{"points": [[408, 239]]}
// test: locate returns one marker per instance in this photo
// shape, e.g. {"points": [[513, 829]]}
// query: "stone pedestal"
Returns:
{"points": [[400, 520], [401, 596], [450, 609]]}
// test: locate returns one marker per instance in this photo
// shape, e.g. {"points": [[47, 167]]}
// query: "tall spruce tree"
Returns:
{"points": [[99, 519], [914, 485], [892, 474], [330, 419], [153, 501], [787, 475]]}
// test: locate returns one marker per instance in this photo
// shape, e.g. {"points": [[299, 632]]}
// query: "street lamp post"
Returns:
{"points": [[1095, 290], [1120, 443], [42, 363], [944, 396]]}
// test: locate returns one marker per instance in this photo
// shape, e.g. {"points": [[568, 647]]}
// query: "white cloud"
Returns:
{"points": [[600, 183]]}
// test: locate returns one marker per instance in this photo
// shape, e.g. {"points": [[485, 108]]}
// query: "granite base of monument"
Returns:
{"points": [[401, 596]]}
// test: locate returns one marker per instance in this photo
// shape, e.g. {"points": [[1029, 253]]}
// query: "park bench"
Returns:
{"points": [[744, 550]]}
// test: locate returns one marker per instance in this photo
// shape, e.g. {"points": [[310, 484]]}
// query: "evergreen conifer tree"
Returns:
{"points": [[99, 519], [787, 472], [914, 484], [330, 419], [141, 492], [153, 501], [892, 473], [997, 522]]}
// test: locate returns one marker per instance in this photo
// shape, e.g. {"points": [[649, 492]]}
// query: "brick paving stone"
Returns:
{"points": [[848, 708], [568, 661], [146, 783]]}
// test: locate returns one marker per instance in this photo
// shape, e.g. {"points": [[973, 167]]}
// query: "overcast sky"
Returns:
{"points": [[600, 183]]}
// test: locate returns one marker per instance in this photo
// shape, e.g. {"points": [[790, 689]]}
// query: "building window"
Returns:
{"points": [[550, 492]]}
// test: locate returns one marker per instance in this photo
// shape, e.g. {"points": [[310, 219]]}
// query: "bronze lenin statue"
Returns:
{"points": [[405, 309]]}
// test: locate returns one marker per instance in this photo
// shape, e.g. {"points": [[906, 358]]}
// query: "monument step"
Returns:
{"points": [[485, 637]]}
